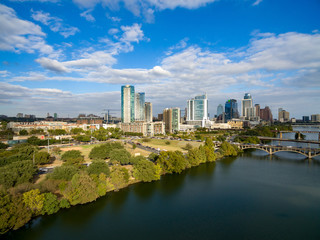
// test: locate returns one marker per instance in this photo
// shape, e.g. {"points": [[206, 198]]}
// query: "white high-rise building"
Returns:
{"points": [[197, 108], [148, 112], [247, 104]]}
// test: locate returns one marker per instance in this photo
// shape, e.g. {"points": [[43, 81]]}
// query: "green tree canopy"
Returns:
{"points": [[63, 173], [97, 167], [81, 189], [120, 155], [119, 177], [42, 158], [23, 132], [72, 157], [146, 171]]}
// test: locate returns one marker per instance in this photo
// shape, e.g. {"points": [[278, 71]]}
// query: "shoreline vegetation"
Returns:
{"points": [[112, 168]]}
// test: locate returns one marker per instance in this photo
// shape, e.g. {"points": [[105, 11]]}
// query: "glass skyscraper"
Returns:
{"points": [[219, 110], [231, 109], [197, 108], [247, 106], [127, 104], [139, 106]]}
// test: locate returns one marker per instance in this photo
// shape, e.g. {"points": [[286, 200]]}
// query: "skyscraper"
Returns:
{"points": [[266, 114], [219, 110], [284, 116], [139, 106], [231, 109], [148, 111], [127, 104], [246, 103], [257, 106], [197, 108], [171, 118]]}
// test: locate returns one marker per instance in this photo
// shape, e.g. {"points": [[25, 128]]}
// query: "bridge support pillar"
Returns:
{"points": [[280, 135], [299, 135], [319, 137], [309, 154]]}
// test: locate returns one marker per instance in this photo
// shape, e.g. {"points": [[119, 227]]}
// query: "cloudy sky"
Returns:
{"points": [[72, 57]]}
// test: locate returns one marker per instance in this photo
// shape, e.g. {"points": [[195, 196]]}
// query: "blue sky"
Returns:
{"points": [[71, 57]]}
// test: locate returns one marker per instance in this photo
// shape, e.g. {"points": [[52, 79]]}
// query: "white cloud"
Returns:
{"points": [[113, 31], [144, 7], [132, 33], [257, 2], [88, 16], [54, 23], [20, 35], [94, 59], [4, 73]]}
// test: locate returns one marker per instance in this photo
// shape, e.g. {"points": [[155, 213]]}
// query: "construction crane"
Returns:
{"points": [[107, 113]]}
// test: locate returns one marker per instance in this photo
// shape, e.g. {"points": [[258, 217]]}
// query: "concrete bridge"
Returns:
{"points": [[299, 133], [307, 152]]}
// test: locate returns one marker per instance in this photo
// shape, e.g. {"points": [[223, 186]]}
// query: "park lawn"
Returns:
{"points": [[173, 146], [142, 152]]}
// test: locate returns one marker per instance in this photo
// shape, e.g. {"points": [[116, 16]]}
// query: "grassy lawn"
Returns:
{"points": [[173, 146]]}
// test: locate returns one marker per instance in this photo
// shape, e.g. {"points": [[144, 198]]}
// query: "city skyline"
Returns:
{"points": [[71, 58]]}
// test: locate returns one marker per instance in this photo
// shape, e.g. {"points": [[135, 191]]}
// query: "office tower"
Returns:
{"points": [[284, 116], [219, 110], [148, 112], [266, 114], [139, 106], [305, 119], [197, 108], [315, 118], [231, 109], [257, 107], [127, 104], [246, 103], [55, 116], [171, 118], [20, 115]]}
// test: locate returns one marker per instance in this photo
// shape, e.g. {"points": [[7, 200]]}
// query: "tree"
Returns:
{"points": [[63, 173], [81, 189], [134, 146], [226, 149], [72, 157], [42, 158], [171, 162], [23, 132], [188, 146], [76, 131], [13, 212], [64, 203], [34, 201], [119, 177], [120, 155], [97, 167], [51, 204], [3, 145], [153, 157], [34, 141], [17, 173], [146, 171], [100, 152]]}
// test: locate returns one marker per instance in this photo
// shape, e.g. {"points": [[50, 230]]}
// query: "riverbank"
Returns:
{"points": [[168, 162]]}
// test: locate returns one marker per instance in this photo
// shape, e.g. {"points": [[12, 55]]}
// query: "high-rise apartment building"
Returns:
{"points": [[266, 114], [220, 110], [284, 116], [231, 109], [197, 108], [315, 118], [171, 118], [257, 107], [148, 112], [247, 109], [127, 104], [139, 106]]}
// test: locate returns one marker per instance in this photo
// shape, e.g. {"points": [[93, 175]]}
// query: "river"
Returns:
{"points": [[252, 196]]}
